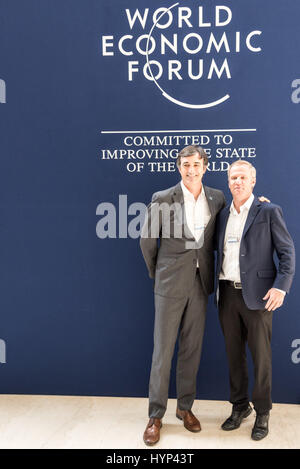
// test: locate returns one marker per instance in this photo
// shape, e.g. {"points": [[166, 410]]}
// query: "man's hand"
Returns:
{"points": [[275, 299], [263, 199]]}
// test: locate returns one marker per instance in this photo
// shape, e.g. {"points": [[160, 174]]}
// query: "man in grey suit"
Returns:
{"points": [[177, 245]]}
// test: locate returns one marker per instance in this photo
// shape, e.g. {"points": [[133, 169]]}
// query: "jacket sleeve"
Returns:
{"points": [[150, 234], [285, 251]]}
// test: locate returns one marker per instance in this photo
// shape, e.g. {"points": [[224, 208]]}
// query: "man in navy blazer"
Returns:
{"points": [[251, 287]]}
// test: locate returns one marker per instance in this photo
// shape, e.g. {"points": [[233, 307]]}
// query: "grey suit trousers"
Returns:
{"points": [[185, 316]]}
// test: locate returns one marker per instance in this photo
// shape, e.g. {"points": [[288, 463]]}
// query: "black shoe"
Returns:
{"points": [[261, 427], [235, 419]]}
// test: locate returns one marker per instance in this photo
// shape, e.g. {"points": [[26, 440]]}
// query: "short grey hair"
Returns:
{"points": [[240, 163]]}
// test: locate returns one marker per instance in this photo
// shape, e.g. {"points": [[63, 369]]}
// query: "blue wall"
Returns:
{"points": [[76, 310]]}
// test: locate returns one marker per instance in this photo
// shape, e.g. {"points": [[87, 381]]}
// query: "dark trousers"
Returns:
{"points": [[184, 317], [242, 325]]}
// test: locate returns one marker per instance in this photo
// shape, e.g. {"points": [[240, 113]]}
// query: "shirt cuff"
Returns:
{"points": [[282, 291]]}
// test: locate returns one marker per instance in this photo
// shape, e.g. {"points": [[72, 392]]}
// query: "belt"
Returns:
{"points": [[236, 285]]}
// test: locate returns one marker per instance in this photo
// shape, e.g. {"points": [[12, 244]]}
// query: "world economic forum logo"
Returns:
{"points": [[183, 47]]}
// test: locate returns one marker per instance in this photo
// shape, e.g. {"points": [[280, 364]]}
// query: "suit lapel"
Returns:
{"points": [[223, 223], [211, 205], [254, 209], [178, 199]]}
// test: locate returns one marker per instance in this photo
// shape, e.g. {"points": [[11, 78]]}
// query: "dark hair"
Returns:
{"points": [[190, 151]]}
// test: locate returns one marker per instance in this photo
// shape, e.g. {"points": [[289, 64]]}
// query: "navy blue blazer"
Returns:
{"points": [[265, 232]]}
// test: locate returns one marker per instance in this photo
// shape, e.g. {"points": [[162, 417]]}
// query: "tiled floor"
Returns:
{"points": [[119, 423]]}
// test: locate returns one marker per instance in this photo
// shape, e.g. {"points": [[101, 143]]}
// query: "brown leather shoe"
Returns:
{"points": [[190, 422], [152, 432]]}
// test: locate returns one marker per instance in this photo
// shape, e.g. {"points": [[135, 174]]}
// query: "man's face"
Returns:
{"points": [[241, 182], [191, 170]]}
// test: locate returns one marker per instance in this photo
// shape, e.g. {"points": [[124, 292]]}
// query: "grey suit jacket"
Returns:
{"points": [[169, 248]]}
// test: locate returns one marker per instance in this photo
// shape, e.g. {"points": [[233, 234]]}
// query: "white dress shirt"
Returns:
{"points": [[196, 211], [232, 242]]}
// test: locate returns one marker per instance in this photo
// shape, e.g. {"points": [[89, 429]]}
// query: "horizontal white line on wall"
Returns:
{"points": [[172, 131]]}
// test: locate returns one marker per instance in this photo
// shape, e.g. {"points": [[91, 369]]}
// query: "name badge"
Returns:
{"points": [[232, 239]]}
